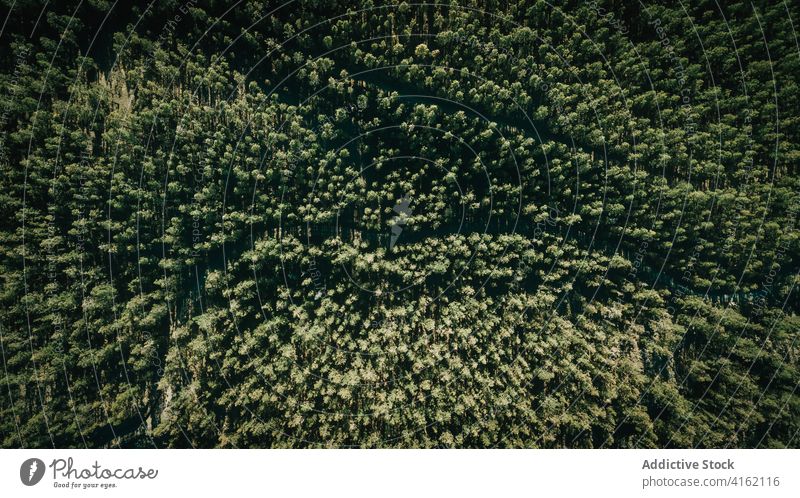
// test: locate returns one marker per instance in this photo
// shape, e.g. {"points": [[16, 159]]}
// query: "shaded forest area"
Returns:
{"points": [[399, 224]]}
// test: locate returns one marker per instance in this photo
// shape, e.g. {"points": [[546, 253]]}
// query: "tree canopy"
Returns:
{"points": [[399, 224]]}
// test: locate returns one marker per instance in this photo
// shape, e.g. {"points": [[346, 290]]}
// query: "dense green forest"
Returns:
{"points": [[400, 224]]}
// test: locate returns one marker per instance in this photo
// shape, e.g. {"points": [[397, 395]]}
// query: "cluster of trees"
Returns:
{"points": [[401, 224]]}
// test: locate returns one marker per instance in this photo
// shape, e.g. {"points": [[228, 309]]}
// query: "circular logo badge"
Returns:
{"points": [[31, 471]]}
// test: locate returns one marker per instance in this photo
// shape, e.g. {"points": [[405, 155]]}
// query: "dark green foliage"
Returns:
{"points": [[471, 224]]}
